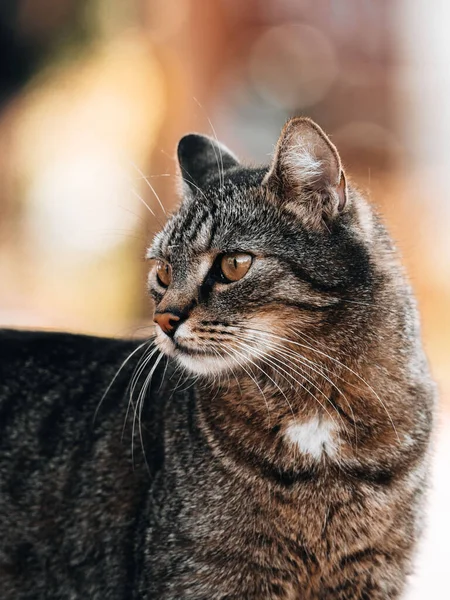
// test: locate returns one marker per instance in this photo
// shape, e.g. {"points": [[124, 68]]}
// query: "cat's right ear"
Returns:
{"points": [[201, 159], [306, 174]]}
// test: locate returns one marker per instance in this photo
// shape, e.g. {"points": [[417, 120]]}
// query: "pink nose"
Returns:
{"points": [[167, 321]]}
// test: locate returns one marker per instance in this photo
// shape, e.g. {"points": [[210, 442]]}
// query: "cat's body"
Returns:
{"points": [[294, 468], [71, 500]]}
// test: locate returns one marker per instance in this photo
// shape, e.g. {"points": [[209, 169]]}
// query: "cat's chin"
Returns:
{"points": [[203, 364]]}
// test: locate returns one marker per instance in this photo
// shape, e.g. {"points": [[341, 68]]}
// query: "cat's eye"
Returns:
{"points": [[163, 273], [235, 266]]}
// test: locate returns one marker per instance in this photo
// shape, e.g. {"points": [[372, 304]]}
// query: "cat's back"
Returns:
{"points": [[38, 368], [71, 482], [52, 352]]}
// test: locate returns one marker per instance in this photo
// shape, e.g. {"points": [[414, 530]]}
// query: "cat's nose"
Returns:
{"points": [[167, 321]]}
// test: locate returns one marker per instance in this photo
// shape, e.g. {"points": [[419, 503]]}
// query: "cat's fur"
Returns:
{"points": [[293, 462]]}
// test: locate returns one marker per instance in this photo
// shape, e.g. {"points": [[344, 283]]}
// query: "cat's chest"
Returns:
{"points": [[228, 520], [282, 542], [313, 439]]}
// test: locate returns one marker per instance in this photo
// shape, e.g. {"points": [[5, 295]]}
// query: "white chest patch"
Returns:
{"points": [[314, 437]]}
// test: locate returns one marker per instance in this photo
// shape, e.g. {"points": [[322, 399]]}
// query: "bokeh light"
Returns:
{"points": [[293, 65]]}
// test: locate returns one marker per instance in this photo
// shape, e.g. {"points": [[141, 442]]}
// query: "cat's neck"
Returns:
{"points": [[269, 425], [254, 421]]}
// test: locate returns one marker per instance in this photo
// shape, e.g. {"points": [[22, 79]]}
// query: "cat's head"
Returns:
{"points": [[257, 257]]}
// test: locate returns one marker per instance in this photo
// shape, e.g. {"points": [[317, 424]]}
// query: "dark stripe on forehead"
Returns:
{"points": [[188, 225], [172, 227], [211, 222], [213, 227], [183, 226], [190, 233], [172, 239]]}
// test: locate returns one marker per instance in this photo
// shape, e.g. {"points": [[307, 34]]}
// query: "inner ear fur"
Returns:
{"points": [[306, 173]]}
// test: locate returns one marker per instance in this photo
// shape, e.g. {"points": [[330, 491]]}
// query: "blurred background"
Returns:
{"points": [[94, 95]]}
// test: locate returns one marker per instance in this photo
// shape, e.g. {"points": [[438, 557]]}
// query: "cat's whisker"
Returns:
{"points": [[303, 335], [154, 176], [240, 365], [237, 380], [297, 359], [187, 176], [220, 168], [139, 197], [316, 368], [119, 370], [326, 355], [134, 381], [189, 383], [290, 366], [150, 186], [228, 379], [217, 386], [140, 367], [202, 193], [221, 175], [182, 375], [275, 365], [246, 357], [132, 212], [140, 403], [286, 352], [215, 377], [264, 358], [164, 373]]}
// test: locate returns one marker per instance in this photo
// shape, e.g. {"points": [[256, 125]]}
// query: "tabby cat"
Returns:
{"points": [[271, 442]]}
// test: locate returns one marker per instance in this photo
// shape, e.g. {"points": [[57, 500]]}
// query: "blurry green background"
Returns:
{"points": [[95, 94]]}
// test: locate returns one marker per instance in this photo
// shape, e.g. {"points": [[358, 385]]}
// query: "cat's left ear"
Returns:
{"points": [[306, 174], [203, 159]]}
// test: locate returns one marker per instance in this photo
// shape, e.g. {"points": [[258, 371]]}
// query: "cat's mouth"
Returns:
{"points": [[190, 353], [180, 347], [209, 350]]}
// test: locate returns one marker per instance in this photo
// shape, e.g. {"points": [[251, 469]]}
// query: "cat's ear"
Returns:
{"points": [[306, 173], [201, 158]]}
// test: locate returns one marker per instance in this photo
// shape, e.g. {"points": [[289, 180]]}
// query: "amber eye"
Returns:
{"points": [[235, 266], [163, 273]]}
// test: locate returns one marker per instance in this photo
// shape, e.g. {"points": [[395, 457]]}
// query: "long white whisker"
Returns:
{"points": [[140, 403], [188, 176], [164, 373], [134, 381], [276, 367], [286, 353], [151, 341], [139, 197], [268, 377], [240, 365], [308, 347], [264, 357], [220, 168], [303, 335], [150, 186]]}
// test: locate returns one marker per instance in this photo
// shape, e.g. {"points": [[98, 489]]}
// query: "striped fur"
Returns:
{"points": [[280, 451]]}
